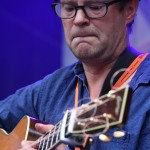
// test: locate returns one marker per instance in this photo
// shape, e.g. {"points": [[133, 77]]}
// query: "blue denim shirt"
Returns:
{"points": [[48, 99]]}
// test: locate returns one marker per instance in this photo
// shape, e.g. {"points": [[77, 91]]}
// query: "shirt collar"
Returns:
{"points": [[79, 71]]}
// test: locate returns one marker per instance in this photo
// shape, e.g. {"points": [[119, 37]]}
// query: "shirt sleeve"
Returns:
{"points": [[22, 103]]}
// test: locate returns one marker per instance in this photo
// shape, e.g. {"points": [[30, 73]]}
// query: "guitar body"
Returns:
{"points": [[25, 130]]}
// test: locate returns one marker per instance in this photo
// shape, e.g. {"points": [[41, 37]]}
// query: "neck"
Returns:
{"points": [[96, 72], [96, 75]]}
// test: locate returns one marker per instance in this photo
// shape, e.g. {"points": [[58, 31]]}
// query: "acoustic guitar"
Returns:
{"points": [[91, 119]]}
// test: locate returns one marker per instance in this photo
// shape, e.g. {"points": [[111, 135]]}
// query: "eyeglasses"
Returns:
{"points": [[92, 10]]}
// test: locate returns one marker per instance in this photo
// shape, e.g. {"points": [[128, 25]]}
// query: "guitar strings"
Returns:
{"points": [[43, 137], [47, 136], [111, 84]]}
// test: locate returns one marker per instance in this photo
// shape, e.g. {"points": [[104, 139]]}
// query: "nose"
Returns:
{"points": [[81, 18]]}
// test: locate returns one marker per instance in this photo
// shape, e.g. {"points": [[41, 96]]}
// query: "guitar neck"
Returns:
{"points": [[51, 139], [58, 134], [92, 119]]}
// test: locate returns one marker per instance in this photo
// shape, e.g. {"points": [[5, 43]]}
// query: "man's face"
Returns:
{"points": [[96, 39]]}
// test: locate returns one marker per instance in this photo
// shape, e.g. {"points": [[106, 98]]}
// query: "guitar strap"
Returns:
{"points": [[129, 71], [124, 79]]}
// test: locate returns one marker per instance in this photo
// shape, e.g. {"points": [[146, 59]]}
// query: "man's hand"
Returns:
{"points": [[31, 145]]}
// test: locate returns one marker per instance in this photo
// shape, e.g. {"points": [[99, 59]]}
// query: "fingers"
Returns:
{"points": [[28, 145], [42, 128], [61, 147], [32, 145]]}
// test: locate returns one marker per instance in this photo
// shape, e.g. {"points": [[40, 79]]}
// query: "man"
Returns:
{"points": [[97, 32]]}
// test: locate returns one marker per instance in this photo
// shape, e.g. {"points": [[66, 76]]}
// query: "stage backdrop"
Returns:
{"points": [[32, 44]]}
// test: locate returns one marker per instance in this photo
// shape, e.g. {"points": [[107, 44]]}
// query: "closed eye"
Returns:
{"points": [[95, 8], [68, 8]]}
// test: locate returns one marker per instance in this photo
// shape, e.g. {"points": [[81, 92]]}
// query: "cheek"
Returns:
{"points": [[67, 31], [103, 29]]}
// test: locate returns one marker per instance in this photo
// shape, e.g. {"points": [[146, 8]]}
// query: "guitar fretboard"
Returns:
{"points": [[92, 119], [51, 139]]}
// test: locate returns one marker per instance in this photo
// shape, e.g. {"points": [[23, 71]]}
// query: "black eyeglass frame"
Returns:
{"points": [[107, 4]]}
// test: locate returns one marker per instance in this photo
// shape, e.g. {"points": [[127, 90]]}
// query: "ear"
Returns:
{"points": [[130, 10]]}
